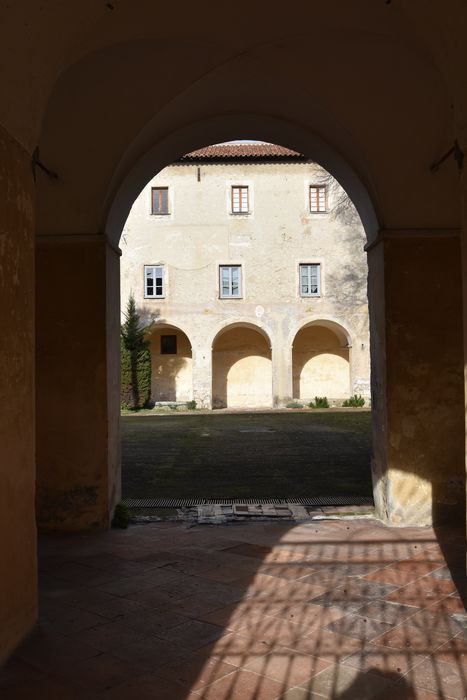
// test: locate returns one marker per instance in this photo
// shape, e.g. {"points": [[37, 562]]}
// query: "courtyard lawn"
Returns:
{"points": [[231, 455]]}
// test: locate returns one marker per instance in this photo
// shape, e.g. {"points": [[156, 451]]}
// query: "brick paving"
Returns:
{"points": [[349, 610]]}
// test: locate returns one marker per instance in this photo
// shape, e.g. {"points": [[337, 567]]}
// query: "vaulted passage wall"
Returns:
{"points": [[418, 393], [18, 604], [77, 380]]}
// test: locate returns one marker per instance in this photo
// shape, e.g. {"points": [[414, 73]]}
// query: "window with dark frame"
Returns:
{"points": [[310, 280], [159, 200], [318, 198], [240, 199], [153, 281], [168, 344]]}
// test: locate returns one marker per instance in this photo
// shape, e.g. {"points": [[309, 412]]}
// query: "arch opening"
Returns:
{"points": [[171, 365], [241, 368], [150, 154], [321, 363], [253, 247]]}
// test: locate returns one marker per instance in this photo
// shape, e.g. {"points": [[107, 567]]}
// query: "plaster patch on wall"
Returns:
{"points": [[361, 386], [58, 507]]}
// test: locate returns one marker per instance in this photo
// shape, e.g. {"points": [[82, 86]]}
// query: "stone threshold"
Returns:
{"points": [[224, 513]]}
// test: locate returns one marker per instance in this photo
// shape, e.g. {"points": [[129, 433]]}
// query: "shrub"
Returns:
{"points": [[121, 517], [355, 401], [319, 402], [293, 404], [135, 358], [191, 405]]}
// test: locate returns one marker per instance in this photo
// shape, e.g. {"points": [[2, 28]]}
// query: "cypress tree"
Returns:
{"points": [[135, 361]]}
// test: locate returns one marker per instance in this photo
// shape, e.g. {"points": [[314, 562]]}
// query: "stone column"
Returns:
{"points": [[415, 295], [282, 380], [202, 373], [359, 360], [18, 585], [78, 463]]}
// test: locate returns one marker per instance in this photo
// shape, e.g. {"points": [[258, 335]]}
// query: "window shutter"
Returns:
{"points": [[318, 198], [240, 199], [160, 200]]}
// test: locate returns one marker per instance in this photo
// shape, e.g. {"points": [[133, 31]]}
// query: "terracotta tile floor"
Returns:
{"points": [[247, 611]]}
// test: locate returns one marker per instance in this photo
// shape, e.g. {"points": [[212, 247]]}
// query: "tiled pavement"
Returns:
{"points": [[340, 609]]}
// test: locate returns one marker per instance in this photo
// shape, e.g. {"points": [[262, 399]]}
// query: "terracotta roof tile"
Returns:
{"points": [[242, 150]]}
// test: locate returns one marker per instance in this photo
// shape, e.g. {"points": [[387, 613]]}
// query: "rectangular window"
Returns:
{"points": [[154, 281], [160, 200], [168, 344], [230, 281], [318, 198], [310, 280], [240, 204]]}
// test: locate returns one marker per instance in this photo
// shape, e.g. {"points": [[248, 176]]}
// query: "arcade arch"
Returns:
{"points": [[321, 362], [361, 141], [392, 289], [171, 363], [241, 367]]}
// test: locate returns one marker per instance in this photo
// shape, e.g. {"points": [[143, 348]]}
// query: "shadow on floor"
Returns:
{"points": [[337, 609]]}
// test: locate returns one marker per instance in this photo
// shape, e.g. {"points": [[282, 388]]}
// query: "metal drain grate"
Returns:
{"points": [[333, 501], [187, 502]]}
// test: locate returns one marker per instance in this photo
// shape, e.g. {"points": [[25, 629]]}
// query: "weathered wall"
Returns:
{"points": [[171, 378], [241, 370], [320, 365], [424, 477], [464, 283], [377, 307], [18, 606], [270, 242], [78, 471]]}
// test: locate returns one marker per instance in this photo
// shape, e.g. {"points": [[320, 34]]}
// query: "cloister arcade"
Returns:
{"points": [[244, 374], [81, 133]]}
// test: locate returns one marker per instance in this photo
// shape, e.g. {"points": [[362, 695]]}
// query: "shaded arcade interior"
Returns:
{"points": [[80, 135]]}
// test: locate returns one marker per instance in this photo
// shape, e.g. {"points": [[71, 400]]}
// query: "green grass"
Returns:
{"points": [[247, 454]]}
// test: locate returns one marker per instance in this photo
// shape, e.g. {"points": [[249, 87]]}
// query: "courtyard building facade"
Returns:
{"points": [[247, 263]]}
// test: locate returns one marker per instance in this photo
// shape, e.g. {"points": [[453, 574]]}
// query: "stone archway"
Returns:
{"points": [[397, 291], [241, 368], [171, 365], [321, 362], [87, 136]]}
